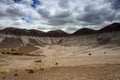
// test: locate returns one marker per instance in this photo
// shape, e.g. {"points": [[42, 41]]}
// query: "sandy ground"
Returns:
{"points": [[64, 63]]}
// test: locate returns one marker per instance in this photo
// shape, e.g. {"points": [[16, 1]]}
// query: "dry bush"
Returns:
{"points": [[56, 63], [12, 53], [104, 52], [15, 74], [30, 70], [39, 61], [89, 54], [42, 69]]}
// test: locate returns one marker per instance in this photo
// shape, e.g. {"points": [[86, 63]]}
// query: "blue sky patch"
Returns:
{"points": [[26, 20], [17, 1], [35, 3]]}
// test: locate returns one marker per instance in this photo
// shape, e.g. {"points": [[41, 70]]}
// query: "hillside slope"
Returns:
{"points": [[13, 37]]}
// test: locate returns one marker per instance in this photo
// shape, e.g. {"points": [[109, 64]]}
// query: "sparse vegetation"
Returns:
{"points": [[1, 64], [30, 70], [25, 50], [4, 71], [12, 53]]}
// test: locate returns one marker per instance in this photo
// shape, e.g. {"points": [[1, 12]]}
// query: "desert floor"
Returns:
{"points": [[56, 62]]}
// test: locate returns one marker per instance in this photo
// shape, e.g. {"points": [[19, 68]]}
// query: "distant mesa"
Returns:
{"points": [[59, 33]]}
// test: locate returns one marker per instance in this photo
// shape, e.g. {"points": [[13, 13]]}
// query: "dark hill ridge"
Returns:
{"points": [[33, 32], [84, 31], [59, 33], [111, 28], [20, 32]]}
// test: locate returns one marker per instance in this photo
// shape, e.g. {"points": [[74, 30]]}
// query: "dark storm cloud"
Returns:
{"points": [[92, 14], [58, 18], [14, 10], [61, 18], [62, 14], [115, 4], [58, 21], [2, 14], [96, 15], [44, 12]]}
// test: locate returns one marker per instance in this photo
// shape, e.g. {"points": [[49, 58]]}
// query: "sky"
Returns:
{"points": [[66, 15]]}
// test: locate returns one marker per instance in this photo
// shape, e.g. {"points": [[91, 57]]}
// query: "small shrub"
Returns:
{"points": [[13, 49], [56, 63], [39, 61], [89, 54], [41, 69], [30, 70], [3, 77], [16, 70], [8, 53], [2, 52], [15, 74], [104, 52]]}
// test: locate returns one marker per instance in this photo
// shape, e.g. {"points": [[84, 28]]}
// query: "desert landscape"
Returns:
{"points": [[56, 55]]}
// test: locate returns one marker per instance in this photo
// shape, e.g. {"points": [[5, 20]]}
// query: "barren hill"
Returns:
{"points": [[111, 28], [84, 31], [14, 37], [57, 33]]}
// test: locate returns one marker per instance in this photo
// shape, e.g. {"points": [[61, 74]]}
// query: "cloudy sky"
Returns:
{"points": [[67, 15]]}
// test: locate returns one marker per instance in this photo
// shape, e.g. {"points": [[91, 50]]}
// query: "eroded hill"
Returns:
{"points": [[13, 37]]}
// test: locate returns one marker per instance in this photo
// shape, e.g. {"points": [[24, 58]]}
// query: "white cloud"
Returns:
{"points": [[68, 15]]}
